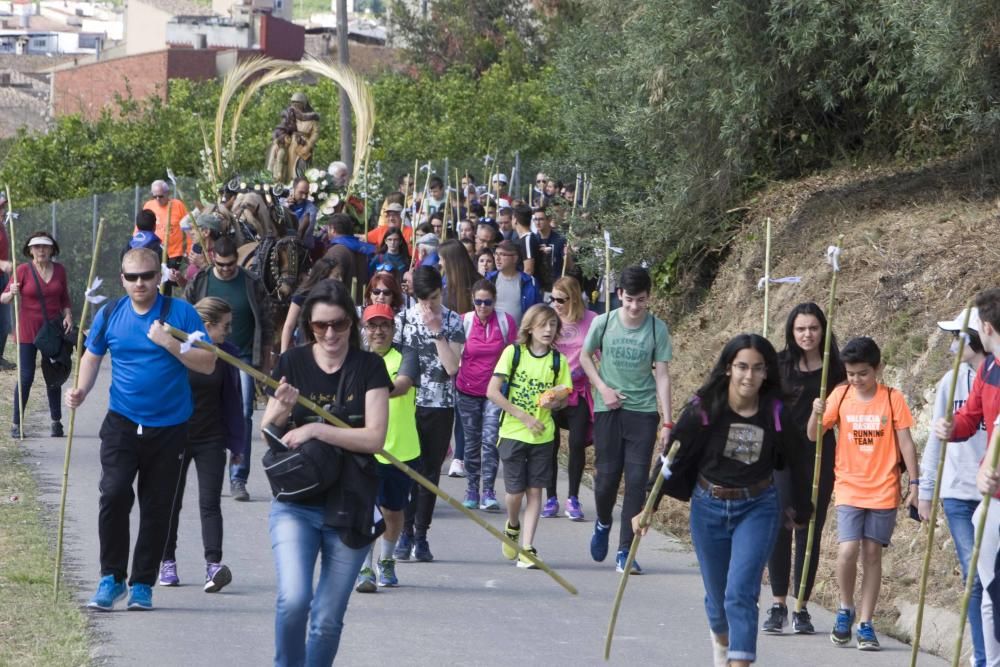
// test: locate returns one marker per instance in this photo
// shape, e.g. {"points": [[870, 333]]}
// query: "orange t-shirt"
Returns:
{"points": [[177, 213], [867, 463], [376, 235]]}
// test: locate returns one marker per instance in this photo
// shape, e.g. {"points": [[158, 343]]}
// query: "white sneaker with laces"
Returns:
{"points": [[457, 468], [720, 652]]}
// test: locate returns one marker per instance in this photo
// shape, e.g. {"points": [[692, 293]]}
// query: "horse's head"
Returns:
{"points": [[289, 261], [251, 209]]}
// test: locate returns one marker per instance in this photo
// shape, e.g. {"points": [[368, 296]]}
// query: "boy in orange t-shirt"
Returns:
{"points": [[873, 434]]}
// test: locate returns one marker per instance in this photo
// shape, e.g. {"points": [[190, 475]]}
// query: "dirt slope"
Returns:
{"points": [[916, 245]]}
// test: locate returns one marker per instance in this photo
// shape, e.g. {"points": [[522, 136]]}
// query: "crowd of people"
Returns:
{"points": [[475, 339]]}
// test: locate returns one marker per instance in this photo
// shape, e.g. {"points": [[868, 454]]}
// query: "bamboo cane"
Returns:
{"points": [[970, 580], [194, 225], [576, 189], [949, 411], [607, 275], [644, 520], [265, 379], [586, 190], [458, 201], [72, 414], [365, 186], [566, 250], [166, 246], [447, 201], [17, 319], [767, 274], [817, 464]]}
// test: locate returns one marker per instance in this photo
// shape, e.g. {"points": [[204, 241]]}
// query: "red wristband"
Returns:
{"points": [[669, 425]]}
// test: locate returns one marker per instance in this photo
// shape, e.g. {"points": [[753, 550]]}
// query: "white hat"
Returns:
{"points": [[40, 240], [504, 204], [956, 324], [500, 177]]}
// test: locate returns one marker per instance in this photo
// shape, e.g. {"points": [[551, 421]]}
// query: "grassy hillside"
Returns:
{"points": [[917, 244]]}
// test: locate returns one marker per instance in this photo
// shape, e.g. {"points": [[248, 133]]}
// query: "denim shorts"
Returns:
{"points": [[856, 523], [394, 486], [525, 466]]}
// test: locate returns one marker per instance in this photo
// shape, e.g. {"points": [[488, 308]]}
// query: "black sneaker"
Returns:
{"points": [[422, 550], [57, 430], [15, 432], [238, 490], [802, 623], [777, 616], [6, 365]]}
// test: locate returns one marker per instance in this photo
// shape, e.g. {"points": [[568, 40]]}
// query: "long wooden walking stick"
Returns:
{"points": [[265, 379], [644, 520], [833, 256], [17, 319], [365, 186], [78, 356], [166, 246], [970, 580], [949, 413], [767, 275]]}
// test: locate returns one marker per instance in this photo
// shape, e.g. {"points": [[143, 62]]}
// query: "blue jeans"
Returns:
{"points": [[298, 536], [241, 470], [733, 540], [963, 532], [480, 419]]}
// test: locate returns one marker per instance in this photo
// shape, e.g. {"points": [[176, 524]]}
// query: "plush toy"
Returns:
{"points": [[557, 393]]}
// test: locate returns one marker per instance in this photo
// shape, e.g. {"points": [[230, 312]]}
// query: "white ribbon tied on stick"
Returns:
{"points": [[786, 280], [95, 298], [164, 273], [191, 338], [607, 244], [833, 257], [665, 471]]}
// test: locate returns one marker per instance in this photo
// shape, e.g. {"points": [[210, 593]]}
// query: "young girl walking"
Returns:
{"points": [[529, 382]]}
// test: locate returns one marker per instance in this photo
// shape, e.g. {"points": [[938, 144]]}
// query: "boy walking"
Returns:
{"points": [[873, 424]]}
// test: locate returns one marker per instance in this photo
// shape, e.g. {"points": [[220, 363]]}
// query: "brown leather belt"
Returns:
{"points": [[729, 493]]}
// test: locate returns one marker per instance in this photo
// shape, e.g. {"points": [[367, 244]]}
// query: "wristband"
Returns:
{"points": [[669, 425], [915, 481]]}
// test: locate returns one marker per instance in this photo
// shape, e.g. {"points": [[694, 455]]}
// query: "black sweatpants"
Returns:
{"points": [[623, 444], [210, 464], [576, 420], [780, 563], [434, 428], [155, 457]]}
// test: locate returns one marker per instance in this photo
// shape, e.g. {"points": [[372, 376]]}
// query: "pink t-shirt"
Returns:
{"points": [[483, 346], [570, 343]]}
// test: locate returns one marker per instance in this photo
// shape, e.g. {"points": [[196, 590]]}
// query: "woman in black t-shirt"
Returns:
{"points": [[801, 364], [732, 441], [334, 372]]}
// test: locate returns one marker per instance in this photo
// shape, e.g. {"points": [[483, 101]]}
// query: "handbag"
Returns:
{"points": [[49, 339]]}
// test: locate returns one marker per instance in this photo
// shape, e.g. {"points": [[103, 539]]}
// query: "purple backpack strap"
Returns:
{"points": [[776, 407], [704, 415]]}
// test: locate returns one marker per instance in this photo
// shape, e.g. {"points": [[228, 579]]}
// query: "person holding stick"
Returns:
{"points": [[337, 526], [873, 423], [626, 422], [145, 431], [5, 270], [735, 434], [983, 405], [959, 496], [801, 366], [169, 212], [216, 425], [44, 295]]}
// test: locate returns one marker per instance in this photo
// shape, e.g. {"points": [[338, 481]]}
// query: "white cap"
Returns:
{"points": [[500, 177], [956, 324], [40, 240]]}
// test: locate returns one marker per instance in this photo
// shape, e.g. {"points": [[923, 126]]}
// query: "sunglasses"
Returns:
{"points": [[378, 291], [483, 302], [340, 326], [226, 265], [388, 268], [540, 181], [559, 300], [143, 275]]}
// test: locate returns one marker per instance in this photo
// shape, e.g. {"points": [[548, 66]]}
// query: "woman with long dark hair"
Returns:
{"points": [[324, 268], [733, 438], [459, 275], [801, 364], [332, 370]]}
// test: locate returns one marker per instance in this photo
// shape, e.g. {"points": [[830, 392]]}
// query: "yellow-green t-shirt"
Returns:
{"points": [[401, 438], [533, 376]]}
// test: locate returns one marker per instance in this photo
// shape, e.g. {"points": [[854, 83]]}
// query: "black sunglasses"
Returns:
{"points": [[142, 275], [483, 302], [340, 326], [378, 291], [226, 265], [559, 300]]}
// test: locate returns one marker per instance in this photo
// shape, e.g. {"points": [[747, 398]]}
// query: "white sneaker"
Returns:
{"points": [[720, 652], [457, 468]]}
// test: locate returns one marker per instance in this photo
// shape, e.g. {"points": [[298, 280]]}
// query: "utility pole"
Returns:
{"points": [[343, 58]]}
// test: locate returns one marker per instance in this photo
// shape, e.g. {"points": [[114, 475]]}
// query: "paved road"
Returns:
{"points": [[468, 607]]}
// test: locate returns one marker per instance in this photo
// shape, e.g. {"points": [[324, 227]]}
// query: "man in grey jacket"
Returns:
{"points": [[252, 333]]}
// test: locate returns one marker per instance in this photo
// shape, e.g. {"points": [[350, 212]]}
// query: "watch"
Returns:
{"points": [[438, 336]]}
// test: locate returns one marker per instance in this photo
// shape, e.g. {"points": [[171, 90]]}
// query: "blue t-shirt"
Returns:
{"points": [[148, 384]]}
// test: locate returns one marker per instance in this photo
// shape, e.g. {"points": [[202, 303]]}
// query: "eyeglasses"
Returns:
{"points": [[226, 265], [378, 291], [483, 302], [142, 275], [759, 369], [540, 180], [539, 219], [559, 299], [504, 254], [384, 325], [340, 326]]}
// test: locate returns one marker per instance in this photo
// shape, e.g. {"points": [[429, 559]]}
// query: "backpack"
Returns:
{"points": [[515, 362], [109, 309], [652, 355], [501, 320]]}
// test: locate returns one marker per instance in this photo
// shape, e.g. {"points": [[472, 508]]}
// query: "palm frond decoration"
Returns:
{"points": [[235, 80], [362, 103], [281, 71]]}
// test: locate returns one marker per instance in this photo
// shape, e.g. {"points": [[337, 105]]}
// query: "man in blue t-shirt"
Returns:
{"points": [[145, 430]]}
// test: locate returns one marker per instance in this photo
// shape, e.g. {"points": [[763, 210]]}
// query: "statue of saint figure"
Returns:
{"points": [[293, 140]]}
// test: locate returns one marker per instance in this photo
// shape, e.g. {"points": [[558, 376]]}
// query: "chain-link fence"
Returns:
{"points": [[73, 223]]}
